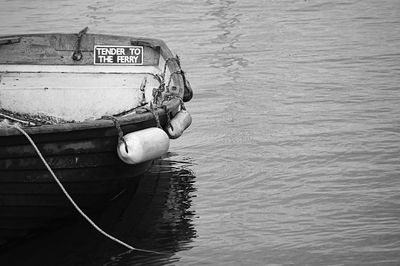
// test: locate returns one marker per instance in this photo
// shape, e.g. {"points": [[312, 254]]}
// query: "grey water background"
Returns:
{"points": [[293, 156]]}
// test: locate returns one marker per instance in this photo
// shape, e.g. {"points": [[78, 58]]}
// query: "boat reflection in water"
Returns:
{"points": [[155, 215]]}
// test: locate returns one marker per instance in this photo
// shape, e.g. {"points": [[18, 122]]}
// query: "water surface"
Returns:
{"points": [[294, 153]]}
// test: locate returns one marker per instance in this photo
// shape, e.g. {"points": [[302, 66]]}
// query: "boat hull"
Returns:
{"points": [[85, 161], [82, 152]]}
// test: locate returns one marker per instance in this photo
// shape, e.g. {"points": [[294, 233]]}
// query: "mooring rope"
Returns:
{"points": [[17, 120], [72, 200]]}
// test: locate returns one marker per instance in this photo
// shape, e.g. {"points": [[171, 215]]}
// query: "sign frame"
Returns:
{"points": [[111, 57]]}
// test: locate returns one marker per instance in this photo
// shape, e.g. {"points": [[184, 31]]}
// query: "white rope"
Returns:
{"points": [[72, 201], [17, 120]]}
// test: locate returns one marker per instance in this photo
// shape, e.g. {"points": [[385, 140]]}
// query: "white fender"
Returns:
{"points": [[143, 145], [178, 124]]}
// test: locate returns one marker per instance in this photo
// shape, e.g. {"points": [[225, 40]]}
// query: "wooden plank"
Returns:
{"points": [[61, 162], [83, 200], [26, 212], [88, 188], [120, 171], [98, 174], [9, 40], [80, 69], [60, 148], [50, 49], [74, 81], [59, 133], [74, 131]]}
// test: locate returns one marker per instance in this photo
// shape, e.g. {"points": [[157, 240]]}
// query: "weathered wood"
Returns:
{"points": [[27, 212], [43, 200], [53, 49], [83, 154], [79, 175], [10, 68], [95, 128], [73, 96], [9, 40], [92, 188], [61, 161], [60, 148]]}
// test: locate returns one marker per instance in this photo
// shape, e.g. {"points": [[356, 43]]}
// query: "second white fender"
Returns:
{"points": [[178, 124]]}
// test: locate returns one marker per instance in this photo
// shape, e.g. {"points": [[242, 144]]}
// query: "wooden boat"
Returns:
{"points": [[75, 95]]}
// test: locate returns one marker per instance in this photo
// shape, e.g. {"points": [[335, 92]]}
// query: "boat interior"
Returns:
{"points": [[76, 92]]}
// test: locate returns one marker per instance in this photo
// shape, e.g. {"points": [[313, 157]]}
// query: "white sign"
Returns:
{"points": [[118, 55]]}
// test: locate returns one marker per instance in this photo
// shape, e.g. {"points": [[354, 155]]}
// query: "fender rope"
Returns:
{"points": [[73, 202], [119, 129], [179, 71], [176, 59], [153, 111], [168, 114]]}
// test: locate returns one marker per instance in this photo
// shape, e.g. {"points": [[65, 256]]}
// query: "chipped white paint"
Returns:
{"points": [[74, 92]]}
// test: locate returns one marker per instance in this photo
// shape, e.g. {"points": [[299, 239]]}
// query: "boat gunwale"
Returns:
{"points": [[93, 124]]}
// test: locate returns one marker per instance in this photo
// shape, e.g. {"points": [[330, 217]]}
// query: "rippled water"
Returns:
{"points": [[294, 153]]}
